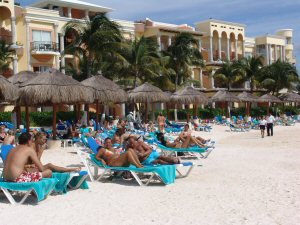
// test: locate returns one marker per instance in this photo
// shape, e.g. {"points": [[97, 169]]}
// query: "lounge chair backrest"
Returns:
{"points": [[5, 149], [93, 144]]}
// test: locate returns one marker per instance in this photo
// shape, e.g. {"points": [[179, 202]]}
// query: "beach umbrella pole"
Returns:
{"points": [[19, 117], [97, 114], [27, 118], [54, 122]]}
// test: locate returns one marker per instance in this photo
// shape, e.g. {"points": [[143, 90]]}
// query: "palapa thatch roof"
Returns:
{"points": [[224, 96], [21, 77], [147, 93], [290, 97], [189, 95], [105, 90], [54, 87], [247, 97], [8, 91], [269, 98]]}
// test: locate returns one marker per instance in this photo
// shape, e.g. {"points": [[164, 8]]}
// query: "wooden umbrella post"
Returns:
{"points": [[19, 117], [27, 118], [54, 122], [87, 114], [97, 114], [195, 109]]}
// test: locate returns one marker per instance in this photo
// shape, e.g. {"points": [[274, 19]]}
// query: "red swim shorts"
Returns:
{"points": [[29, 177]]}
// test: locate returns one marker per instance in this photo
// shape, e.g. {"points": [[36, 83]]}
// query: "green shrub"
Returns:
{"points": [[5, 116]]}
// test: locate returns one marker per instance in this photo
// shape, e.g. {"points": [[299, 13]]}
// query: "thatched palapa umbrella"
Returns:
{"points": [[105, 91], [8, 91], [18, 79], [189, 95], [247, 98], [269, 99], [290, 97], [52, 88], [147, 93], [225, 96]]}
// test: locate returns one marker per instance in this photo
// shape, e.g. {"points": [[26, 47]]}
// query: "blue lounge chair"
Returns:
{"points": [[41, 189], [70, 181]]}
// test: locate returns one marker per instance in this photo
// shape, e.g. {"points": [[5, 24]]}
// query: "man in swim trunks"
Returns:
{"points": [[147, 155], [14, 169]]}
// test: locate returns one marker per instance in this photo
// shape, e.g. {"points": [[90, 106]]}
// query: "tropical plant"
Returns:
{"points": [[5, 54], [141, 60], [183, 53], [94, 40], [279, 75], [252, 67], [229, 73]]}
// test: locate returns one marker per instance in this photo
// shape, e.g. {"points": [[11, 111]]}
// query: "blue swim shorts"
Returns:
{"points": [[152, 157]]}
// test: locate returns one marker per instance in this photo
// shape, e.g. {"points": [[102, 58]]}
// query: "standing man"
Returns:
{"points": [[270, 123]]}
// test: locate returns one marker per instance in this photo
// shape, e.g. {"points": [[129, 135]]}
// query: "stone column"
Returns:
{"points": [[62, 57], [228, 48], [236, 49], [275, 52], [220, 48], [86, 14], [201, 78], [69, 12], [267, 54], [210, 49], [283, 55], [212, 78], [13, 30], [29, 67], [55, 44], [123, 110], [50, 7], [200, 46], [15, 64], [159, 42], [270, 54], [243, 48], [169, 41]]}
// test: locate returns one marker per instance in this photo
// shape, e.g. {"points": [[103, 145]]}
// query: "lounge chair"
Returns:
{"points": [[196, 151], [70, 181], [41, 189]]}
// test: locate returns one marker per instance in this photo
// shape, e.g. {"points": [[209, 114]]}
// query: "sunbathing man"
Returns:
{"points": [[9, 138], [147, 155], [108, 156], [178, 143]]}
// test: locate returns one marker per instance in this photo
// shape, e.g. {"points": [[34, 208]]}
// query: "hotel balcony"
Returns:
{"points": [[45, 48]]}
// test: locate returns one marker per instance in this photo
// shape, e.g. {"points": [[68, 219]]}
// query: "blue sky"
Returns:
{"points": [[260, 16]]}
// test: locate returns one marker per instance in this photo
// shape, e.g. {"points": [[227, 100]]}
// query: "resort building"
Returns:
{"points": [[36, 32], [37, 38]]}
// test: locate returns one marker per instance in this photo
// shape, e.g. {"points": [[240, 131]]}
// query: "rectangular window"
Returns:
{"points": [[41, 36], [41, 69]]}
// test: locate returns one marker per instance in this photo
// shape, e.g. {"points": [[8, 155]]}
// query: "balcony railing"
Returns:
{"points": [[45, 46]]}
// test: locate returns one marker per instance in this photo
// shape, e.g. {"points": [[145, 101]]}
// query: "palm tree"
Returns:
{"points": [[94, 40], [183, 53], [5, 53], [252, 67], [141, 60], [229, 73], [279, 75]]}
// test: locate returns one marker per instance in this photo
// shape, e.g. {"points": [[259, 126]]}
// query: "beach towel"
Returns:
{"points": [[166, 172], [42, 188], [64, 180]]}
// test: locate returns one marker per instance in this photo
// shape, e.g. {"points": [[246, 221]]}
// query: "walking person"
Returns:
{"points": [[270, 123], [262, 126]]}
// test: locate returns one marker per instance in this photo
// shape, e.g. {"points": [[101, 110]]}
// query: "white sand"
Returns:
{"points": [[246, 180]]}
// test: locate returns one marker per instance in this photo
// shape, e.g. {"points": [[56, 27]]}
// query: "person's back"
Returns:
{"points": [[16, 161]]}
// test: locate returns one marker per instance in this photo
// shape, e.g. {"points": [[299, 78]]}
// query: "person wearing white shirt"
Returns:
{"points": [[262, 126], [270, 123]]}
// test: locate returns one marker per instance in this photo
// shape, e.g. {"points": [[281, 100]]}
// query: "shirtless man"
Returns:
{"points": [[161, 121], [147, 156], [194, 140], [108, 156], [14, 169]]}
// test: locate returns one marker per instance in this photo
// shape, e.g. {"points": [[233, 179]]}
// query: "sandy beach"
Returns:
{"points": [[245, 180]]}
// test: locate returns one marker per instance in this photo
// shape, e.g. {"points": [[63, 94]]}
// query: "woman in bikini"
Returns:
{"points": [[2, 134], [108, 156]]}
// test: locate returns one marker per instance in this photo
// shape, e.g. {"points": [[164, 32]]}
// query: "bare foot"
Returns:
{"points": [[76, 169]]}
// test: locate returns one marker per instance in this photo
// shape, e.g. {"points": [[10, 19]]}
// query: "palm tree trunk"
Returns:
{"points": [[89, 67], [176, 81]]}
